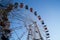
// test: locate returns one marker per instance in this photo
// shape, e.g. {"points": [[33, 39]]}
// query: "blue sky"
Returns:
{"points": [[49, 10]]}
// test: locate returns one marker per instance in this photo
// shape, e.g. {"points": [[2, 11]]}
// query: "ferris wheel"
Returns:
{"points": [[21, 22]]}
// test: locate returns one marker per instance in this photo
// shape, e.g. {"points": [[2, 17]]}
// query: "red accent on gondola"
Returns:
{"points": [[21, 5], [31, 9], [39, 17]]}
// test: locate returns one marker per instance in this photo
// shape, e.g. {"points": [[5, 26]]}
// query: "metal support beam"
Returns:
{"points": [[34, 33], [37, 34], [30, 35]]}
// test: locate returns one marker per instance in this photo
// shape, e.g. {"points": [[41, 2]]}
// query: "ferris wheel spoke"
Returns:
{"points": [[16, 17], [16, 28], [17, 35], [24, 14], [22, 35]]}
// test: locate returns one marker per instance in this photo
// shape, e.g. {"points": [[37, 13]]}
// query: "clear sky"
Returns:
{"points": [[49, 10]]}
